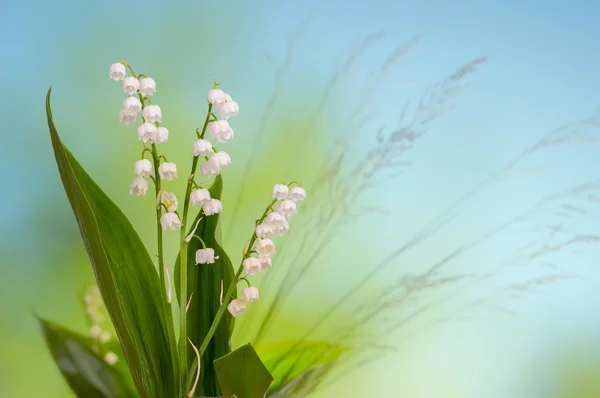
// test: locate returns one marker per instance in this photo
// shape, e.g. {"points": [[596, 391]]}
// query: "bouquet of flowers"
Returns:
{"points": [[159, 354]]}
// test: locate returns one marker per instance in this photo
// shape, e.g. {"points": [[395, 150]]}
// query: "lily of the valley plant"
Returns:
{"points": [[157, 354]]}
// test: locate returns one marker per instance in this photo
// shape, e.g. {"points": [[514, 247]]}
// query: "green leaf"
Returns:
{"points": [[204, 286], [83, 368], [125, 274], [242, 373], [306, 355]]}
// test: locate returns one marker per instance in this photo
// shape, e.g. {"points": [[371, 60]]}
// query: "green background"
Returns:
{"points": [[510, 313]]}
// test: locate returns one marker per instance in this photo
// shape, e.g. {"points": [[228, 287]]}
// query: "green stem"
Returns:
{"points": [[159, 232], [183, 300], [232, 286], [183, 265], [206, 121], [221, 311], [228, 294]]}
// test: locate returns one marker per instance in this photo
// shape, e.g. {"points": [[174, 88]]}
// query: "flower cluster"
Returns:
{"points": [[273, 223], [93, 305], [139, 88], [257, 256]]}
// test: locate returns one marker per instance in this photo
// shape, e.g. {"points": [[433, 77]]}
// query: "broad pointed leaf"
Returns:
{"points": [[204, 288], [125, 274], [242, 373], [82, 366]]}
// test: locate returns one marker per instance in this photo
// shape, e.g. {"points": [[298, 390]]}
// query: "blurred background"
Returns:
{"points": [[448, 150]]}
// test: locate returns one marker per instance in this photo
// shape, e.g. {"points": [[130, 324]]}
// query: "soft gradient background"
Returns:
{"points": [[524, 324]]}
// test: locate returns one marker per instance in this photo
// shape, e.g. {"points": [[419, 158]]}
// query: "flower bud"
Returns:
{"points": [[95, 331], [111, 358]]}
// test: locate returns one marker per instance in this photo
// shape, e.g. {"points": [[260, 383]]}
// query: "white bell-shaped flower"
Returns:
{"points": [[221, 131], [205, 256], [228, 109], [131, 85], [215, 163], [286, 208], [170, 201], [297, 194], [162, 135], [142, 168], [220, 159], [277, 223], [138, 187], [117, 71], [170, 221], [265, 262], [147, 86], [280, 191], [250, 294], [236, 307], [216, 96], [152, 114], [199, 196], [168, 171], [263, 230], [208, 169], [132, 104], [127, 117], [252, 265], [212, 206], [201, 147], [147, 132], [265, 247]]}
